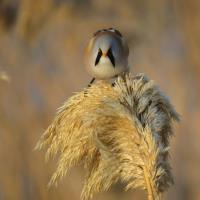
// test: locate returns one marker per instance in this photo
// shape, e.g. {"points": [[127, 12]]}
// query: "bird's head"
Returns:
{"points": [[107, 54]]}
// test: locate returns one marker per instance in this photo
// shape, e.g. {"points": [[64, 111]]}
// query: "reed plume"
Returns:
{"points": [[118, 133]]}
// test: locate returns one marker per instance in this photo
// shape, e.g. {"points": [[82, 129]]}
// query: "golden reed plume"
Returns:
{"points": [[118, 133]]}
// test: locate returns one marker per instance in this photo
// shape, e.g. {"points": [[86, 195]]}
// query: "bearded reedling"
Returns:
{"points": [[106, 54]]}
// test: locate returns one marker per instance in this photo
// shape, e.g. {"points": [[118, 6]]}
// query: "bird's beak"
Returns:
{"points": [[104, 54]]}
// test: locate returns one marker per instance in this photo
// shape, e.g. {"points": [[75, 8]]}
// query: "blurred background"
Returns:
{"points": [[41, 65]]}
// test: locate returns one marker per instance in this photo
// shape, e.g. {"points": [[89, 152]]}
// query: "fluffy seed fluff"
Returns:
{"points": [[118, 133]]}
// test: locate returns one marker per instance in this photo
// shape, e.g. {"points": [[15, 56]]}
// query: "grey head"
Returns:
{"points": [[107, 54]]}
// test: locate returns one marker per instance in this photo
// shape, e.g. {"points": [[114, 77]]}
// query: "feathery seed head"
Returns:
{"points": [[119, 133]]}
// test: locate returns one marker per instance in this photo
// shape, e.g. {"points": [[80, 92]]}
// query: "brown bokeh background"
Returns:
{"points": [[41, 51]]}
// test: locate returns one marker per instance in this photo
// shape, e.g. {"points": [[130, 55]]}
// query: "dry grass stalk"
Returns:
{"points": [[119, 133]]}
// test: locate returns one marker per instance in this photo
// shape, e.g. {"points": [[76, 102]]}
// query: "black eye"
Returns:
{"points": [[111, 57], [98, 57]]}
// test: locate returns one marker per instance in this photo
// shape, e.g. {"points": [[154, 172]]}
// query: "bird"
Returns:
{"points": [[106, 55]]}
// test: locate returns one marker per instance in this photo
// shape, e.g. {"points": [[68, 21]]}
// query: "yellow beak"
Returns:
{"points": [[104, 54]]}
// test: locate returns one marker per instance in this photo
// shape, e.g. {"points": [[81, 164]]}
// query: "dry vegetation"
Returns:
{"points": [[118, 133], [41, 52]]}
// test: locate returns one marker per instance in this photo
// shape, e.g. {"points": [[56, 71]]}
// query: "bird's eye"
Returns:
{"points": [[98, 57], [111, 57]]}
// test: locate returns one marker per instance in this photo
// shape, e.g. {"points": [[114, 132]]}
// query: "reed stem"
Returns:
{"points": [[148, 184]]}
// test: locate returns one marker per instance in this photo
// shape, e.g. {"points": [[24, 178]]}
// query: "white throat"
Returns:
{"points": [[104, 60]]}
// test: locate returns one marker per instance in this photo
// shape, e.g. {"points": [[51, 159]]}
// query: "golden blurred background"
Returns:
{"points": [[41, 65]]}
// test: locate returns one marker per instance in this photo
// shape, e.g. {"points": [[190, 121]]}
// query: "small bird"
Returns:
{"points": [[106, 54]]}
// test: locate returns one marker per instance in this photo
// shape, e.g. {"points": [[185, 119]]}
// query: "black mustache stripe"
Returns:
{"points": [[111, 57], [109, 54], [98, 57]]}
